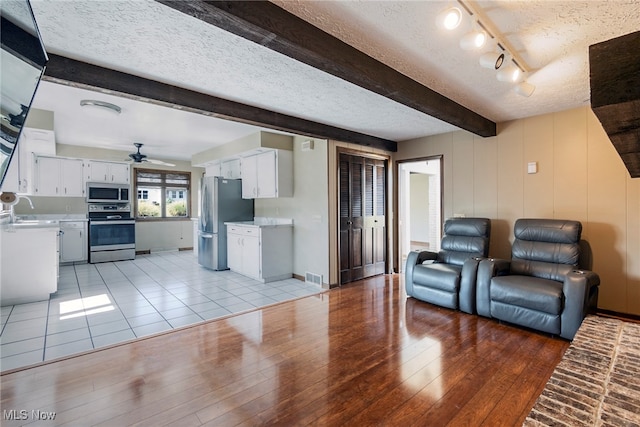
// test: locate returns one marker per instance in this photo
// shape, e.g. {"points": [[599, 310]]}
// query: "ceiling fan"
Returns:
{"points": [[138, 157]]}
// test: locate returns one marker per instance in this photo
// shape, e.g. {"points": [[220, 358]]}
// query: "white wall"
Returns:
{"points": [[308, 207], [419, 207]]}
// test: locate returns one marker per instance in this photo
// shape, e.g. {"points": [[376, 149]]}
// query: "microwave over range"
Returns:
{"points": [[98, 192]]}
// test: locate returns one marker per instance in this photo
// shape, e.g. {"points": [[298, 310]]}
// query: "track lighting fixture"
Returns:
{"points": [[492, 60], [510, 73], [473, 40], [509, 66], [525, 89], [449, 19]]}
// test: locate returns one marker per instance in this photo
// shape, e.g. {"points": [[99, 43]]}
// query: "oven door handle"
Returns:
{"points": [[114, 216], [112, 222]]}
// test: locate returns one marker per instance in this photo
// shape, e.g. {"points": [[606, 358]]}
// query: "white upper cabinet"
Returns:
{"points": [[230, 169], [20, 175], [268, 174], [249, 177], [111, 172], [212, 169], [59, 176]]}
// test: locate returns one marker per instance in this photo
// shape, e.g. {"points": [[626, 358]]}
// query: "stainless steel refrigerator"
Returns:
{"points": [[220, 201]]}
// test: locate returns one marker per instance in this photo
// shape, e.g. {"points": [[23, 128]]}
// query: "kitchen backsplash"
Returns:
{"points": [[52, 205]]}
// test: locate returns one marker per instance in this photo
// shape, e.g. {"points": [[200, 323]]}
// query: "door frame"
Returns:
{"points": [[396, 203], [334, 207]]}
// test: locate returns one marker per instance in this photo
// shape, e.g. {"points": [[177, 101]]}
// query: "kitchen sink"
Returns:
{"points": [[33, 223]]}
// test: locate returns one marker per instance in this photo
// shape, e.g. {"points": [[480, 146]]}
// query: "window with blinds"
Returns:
{"points": [[162, 194]]}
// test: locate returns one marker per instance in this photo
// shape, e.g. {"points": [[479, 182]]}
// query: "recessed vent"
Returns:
{"points": [[314, 278]]}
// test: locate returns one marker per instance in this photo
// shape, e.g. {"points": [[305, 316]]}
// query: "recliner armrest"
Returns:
{"points": [[578, 288], [488, 269], [426, 256], [468, 277], [415, 258]]}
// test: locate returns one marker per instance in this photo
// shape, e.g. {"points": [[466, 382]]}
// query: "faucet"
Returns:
{"points": [[12, 215]]}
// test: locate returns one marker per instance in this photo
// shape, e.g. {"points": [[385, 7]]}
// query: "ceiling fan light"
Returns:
{"points": [[449, 19], [492, 60], [101, 105], [524, 89], [473, 40]]}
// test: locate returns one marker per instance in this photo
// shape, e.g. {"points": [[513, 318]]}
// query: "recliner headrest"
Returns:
{"points": [[472, 227], [548, 230]]}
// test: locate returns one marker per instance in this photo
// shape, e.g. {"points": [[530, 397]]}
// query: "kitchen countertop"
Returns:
{"points": [[55, 217], [40, 221], [264, 222], [28, 224]]}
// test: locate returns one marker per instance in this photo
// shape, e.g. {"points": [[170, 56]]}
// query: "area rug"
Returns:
{"points": [[597, 382]]}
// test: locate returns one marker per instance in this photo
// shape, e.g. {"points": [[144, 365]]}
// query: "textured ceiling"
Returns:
{"points": [[148, 39], [551, 36]]}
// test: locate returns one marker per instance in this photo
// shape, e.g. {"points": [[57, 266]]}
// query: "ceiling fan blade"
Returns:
{"points": [[159, 162]]}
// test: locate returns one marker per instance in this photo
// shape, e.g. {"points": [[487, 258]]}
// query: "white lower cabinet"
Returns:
{"points": [[73, 241], [28, 264], [264, 253]]}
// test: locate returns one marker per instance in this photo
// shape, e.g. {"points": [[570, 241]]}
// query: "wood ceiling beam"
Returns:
{"points": [[277, 29], [82, 74], [615, 94]]}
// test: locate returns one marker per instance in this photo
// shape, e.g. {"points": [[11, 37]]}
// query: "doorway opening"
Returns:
{"points": [[419, 206]]}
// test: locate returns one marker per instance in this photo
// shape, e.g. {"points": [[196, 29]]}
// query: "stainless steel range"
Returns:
{"points": [[112, 232]]}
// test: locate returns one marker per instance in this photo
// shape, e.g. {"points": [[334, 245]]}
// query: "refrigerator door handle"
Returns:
{"points": [[207, 236]]}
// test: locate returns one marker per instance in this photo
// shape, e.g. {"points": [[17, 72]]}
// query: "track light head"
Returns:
{"points": [[449, 19], [492, 60], [473, 40], [524, 89], [511, 73]]}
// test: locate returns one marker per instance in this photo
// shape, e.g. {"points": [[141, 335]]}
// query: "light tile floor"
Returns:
{"points": [[102, 304]]}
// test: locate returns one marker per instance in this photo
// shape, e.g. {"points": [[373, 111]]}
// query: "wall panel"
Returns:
{"points": [[570, 165], [485, 177], [462, 168], [633, 244], [538, 147], [606, 228]]}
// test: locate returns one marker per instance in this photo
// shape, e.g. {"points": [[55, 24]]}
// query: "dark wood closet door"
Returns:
{"points": [[374, 229], [362, 219]]}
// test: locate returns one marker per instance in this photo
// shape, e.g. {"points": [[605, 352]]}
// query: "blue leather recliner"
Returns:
{"points": [[542, 287], [447, 278]]}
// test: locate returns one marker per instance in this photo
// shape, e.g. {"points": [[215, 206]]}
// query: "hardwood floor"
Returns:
{"points": [[358, 355]]}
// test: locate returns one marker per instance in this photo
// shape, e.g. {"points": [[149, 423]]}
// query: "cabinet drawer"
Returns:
{"points": [[234, 229], [66, 224], [250, 231], [243, 231]]}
